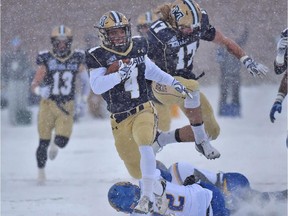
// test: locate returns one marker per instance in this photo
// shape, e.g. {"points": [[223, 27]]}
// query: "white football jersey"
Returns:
{"points": [[191, 200]]}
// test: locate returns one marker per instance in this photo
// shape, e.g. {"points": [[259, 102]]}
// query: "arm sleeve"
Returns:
{"points": [[100, 82], [283, 85], [279, 69], [153, 72]]}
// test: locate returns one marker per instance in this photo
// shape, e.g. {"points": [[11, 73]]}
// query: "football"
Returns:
{"points": [[114, 67]]}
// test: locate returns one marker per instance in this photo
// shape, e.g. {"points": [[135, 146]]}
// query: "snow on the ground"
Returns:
{"points": [[79, 178]]}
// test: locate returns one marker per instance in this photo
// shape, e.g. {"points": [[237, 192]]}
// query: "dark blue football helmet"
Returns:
{"points": [[124, 196]]}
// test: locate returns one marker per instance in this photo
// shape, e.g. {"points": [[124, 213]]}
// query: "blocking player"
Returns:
{"points": [[173, 42]]}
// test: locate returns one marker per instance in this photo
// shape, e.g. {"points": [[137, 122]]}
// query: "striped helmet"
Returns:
{"points": [[186, 13], [58, 34], [114, 20]]}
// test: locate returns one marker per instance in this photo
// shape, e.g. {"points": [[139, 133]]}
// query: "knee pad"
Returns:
{"points": [[193, 102], [61, 141]]}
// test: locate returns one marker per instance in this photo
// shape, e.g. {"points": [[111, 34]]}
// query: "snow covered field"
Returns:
{"points": [[79, 178]]}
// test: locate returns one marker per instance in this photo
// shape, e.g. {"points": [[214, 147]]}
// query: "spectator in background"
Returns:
{"points": [[15, 74], [230, 79], [96, 104]]}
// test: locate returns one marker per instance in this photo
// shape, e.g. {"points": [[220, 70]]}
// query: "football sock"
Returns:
{"points": [[166, 138], [148, 169], [199, 133]]}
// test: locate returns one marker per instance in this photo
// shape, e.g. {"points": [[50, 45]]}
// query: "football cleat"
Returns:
{"points": [[207, 150], [53, 151], [161, 201], [144, 206]]}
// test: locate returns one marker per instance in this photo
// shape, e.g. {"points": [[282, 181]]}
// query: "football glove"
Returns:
{"points": [[125, 69], [281, 50], [44, 92], [181, 88], [253, 67], [277, 106]]}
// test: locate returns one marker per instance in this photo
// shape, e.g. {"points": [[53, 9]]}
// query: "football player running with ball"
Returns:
{"points": [[119, 70], [54, 81]]}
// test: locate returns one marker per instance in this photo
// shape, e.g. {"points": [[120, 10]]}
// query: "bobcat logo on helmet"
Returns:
{"points": [[178, 14], [186, 13]]}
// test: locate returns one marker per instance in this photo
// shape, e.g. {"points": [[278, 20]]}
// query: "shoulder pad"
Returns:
{"points": [[140, 42], [203, 11], [79, 51], [43, 52], [136, 36], [93, 49], [139, 39]]}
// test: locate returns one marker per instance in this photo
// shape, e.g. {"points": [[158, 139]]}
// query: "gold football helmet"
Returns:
{"points": [[61, 39], [145, 20], [108, 23], [186, 13]]}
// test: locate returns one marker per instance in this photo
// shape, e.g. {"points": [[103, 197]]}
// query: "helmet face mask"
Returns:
{"points": [[61, 39], [124, 196], [115, 31]]}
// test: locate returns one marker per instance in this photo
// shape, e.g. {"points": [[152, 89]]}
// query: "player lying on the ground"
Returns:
{"points": [[234, 186], [190, 199]]}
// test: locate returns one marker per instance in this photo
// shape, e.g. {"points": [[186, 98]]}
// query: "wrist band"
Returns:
{"points": [[280, 97]]}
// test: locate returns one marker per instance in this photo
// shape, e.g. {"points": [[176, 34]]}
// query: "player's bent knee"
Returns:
{"points": [[61, 141]]}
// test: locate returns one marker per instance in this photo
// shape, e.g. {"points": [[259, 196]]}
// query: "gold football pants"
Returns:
{"points": [[164, 116], [135, 130], [168, 95], [50, 116]]}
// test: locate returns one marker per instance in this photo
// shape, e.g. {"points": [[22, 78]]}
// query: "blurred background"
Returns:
{"points": [[33, 21]]}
